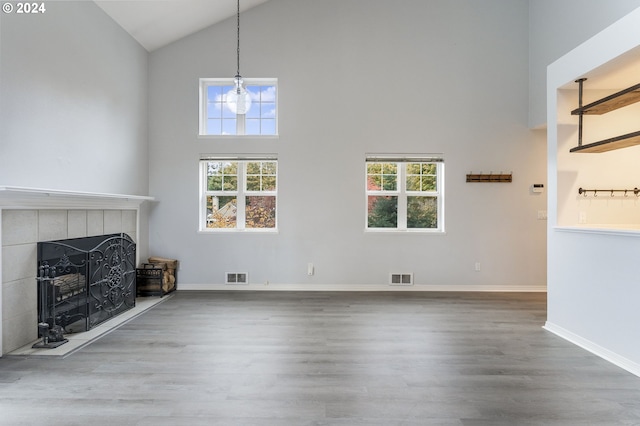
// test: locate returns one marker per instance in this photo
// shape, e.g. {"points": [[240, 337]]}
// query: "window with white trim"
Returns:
{"points": [[216, 119], [239, 194], [405, 193]]}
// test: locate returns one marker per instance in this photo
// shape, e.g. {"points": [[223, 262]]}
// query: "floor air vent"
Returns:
{"points": [[401, 279], [237, 278]]}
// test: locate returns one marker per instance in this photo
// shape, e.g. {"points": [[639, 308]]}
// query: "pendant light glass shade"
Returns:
{"points": [[238, 99]]}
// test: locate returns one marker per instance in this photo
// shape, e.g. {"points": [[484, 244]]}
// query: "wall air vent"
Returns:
{"points": [[237, 278], [401, 279]]}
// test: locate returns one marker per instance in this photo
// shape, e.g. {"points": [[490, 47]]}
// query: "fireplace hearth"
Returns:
{"points": [[86, 282]]}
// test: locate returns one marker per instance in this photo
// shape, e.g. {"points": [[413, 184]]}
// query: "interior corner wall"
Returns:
{"points": [[592, 279], [73, 103], [555, 28], [439, 76]]}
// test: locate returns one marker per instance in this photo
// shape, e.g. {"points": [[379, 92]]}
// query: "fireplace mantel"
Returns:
{"points": [[18, 197]]}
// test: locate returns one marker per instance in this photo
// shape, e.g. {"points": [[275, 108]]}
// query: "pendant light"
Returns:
{"points": [[238, 99]]}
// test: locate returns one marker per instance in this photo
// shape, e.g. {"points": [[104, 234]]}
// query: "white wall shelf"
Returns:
{"points": [[17, 197]]}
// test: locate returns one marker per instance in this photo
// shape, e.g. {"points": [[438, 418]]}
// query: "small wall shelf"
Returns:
{"points": [[607, 104]]}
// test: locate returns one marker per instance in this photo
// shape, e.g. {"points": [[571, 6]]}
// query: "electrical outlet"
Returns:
{"points": [[477, 266], [542, 215], [582, 217]]}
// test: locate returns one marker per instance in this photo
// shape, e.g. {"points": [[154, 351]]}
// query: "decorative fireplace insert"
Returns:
{"points": [[90, 280]]}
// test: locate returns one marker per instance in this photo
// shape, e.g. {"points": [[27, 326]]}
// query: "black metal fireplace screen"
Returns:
{"points": [[85, 281]]}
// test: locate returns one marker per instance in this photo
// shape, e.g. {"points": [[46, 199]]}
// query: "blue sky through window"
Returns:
{"points": [[259, 120]]}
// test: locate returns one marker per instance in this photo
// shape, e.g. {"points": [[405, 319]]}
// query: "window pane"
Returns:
{"points": [[254, 111], [261, 176], [429, 183], [374, 168], [253, 168], [230, 183], [253, 183], [268, 110], [268, 127], [267, 93], [428, 169], [252, 126], [269, 183], [222, 176], [269, 167], [260, 212], [413, 168], [382, 212], [389, 168], [422, 212], [214, 110], [221, 212], [389, 182], [214, 176], [413, 183], [421, 177], [382, 176], [229, 126], [214, 92], [214, 127]]}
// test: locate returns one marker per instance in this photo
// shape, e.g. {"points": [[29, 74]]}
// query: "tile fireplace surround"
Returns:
{"points": [[30, 215]]}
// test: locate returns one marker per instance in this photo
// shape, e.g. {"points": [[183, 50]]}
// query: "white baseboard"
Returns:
{"points": [[359, 287], [604, 353]]}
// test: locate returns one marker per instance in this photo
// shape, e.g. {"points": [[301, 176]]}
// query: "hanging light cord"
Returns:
{"points": [[238, 51]]}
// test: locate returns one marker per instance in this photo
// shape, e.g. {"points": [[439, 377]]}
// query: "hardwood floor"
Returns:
{"points": [[308, 358]]}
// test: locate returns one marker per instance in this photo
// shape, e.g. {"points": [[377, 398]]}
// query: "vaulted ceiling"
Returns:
{"points": [[156, 23]]}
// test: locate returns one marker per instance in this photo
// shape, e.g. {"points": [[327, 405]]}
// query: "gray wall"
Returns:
{"points": [[412, 76], [74, 102], [557, 27]]}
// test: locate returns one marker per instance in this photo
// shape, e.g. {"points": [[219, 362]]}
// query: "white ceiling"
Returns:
{"points": [[156, 23]]}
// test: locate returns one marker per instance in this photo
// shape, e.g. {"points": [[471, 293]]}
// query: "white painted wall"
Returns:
{"points": [[74, 102], [593, 285], [411, 76], [556, 27]]}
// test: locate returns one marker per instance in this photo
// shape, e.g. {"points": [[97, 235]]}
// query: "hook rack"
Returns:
{"points": [[611, 192], [483, 177]]}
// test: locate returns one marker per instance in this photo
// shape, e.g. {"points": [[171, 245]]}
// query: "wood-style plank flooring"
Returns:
{"points": [[316, 358]]}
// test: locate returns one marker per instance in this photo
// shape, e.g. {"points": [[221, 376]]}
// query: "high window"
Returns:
{"points": [[405, 193], [216, 119], [239, 194]]}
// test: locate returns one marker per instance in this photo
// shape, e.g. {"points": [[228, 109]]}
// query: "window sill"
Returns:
{"points": [[406, 231], [227, 137], [239, 231]]}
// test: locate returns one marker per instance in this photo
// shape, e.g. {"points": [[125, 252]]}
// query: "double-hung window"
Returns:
{"points": [[405, 193], [239, 194], [217, 119]]}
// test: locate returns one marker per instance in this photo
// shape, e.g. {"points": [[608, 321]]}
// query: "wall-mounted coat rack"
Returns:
{"points": [[610, 192], [490, 177]]}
